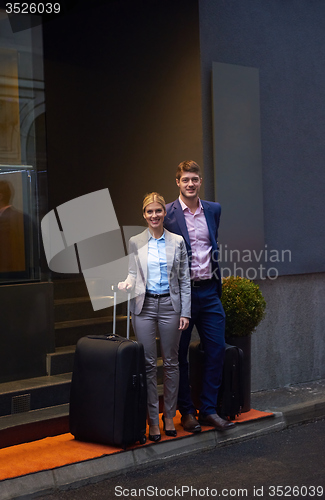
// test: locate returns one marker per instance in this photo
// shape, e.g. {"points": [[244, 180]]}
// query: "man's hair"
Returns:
{"points": [[6, 190], [188, 166], [151, 198]]}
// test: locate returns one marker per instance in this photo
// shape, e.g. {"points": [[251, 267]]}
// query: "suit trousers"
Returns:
{"points": [[208, 316], [159, 313]]}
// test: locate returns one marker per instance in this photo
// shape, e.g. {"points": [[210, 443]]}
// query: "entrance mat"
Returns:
{"points": [[61, 450], [252, 415]]}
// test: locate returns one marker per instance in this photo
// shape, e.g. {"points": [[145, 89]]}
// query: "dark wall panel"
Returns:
{"points": [[285, 41], [123, 100], [27, 330], [237, 155]]}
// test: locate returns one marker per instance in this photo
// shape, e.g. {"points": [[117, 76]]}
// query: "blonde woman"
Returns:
{"points": [[159, 276]]}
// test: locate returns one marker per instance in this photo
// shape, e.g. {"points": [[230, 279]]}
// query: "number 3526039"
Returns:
{"points": [[33, 8]]}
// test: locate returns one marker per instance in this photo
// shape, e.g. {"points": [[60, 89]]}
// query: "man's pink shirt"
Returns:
{"points": [[200, 242]]}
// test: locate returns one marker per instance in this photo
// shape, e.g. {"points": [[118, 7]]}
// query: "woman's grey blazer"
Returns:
{"points": [[177, 272]]}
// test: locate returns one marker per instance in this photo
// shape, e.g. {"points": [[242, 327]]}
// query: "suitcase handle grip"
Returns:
{"points": [[106, 337]]}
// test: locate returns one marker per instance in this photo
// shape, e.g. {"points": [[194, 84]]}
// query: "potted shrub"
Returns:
{"points": [[244, 306]]}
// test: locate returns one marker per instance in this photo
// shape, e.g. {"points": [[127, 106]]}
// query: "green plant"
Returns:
{"points": [[244, 306]]}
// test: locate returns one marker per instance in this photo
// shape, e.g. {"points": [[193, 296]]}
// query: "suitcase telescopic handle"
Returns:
{"points": [[114, 310], [128, 317], [114, 288]]}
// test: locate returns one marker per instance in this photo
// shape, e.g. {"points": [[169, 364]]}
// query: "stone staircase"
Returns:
{"points": [[36, 408], [74, 318]]}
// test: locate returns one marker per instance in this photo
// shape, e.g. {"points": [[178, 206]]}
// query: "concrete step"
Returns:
{"points": [[68, 333], [74, 316], [34, 425], [28, 395], [65, 289], [70, 288], [35, 408], [78, 308], [61, 361], [24, 427], [33, 394]]}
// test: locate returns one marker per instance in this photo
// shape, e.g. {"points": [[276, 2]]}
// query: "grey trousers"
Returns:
{"points": [[159, 313]]}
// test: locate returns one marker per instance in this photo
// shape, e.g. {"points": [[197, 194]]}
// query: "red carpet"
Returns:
{"points": [[57, 451], [252, 415]]}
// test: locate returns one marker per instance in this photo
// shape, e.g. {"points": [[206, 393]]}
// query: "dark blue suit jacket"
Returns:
{"points": [[175, 223]]}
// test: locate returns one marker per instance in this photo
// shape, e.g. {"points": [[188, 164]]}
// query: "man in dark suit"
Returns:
{"points": [[198, 221]]}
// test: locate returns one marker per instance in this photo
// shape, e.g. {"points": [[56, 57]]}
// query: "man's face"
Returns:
{"points": [[189, 185]]}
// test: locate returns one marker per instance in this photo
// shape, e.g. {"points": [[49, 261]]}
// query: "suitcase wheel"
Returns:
{"points": [[143, 439]]}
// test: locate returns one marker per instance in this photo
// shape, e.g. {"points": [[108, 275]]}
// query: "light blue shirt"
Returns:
{"points": [[157, 279]]}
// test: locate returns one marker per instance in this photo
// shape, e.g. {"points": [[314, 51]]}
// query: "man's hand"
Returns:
{"points": [[183, 323]]}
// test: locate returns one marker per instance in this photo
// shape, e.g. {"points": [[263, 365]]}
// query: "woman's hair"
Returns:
{"points": [[151, 198]]}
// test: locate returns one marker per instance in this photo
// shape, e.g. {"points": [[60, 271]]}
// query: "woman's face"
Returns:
{"points": [[154, 214]]}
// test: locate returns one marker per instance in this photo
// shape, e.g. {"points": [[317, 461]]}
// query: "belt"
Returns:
{"points": [[200, 283], [157, 295]]}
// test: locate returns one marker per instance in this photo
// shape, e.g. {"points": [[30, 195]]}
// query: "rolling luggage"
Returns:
{"points": [[108, 400], [230, 396]]}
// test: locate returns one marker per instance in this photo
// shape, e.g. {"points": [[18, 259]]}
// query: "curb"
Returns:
{"points": [[98, 469], [304, 412]]}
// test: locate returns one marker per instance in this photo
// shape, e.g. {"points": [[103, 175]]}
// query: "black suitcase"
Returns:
{"points": [[230, 395], [108, 399]]}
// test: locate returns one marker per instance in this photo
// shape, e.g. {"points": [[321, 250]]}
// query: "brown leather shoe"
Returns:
{"points": [[215, 421], [190, 424]]}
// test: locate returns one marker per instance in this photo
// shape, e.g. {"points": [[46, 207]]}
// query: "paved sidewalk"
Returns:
{"points": [[291, 405], [298, 403]]}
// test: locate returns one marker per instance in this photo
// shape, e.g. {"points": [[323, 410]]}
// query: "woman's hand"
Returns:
{"points": [[183, 323], [124, 286]]}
